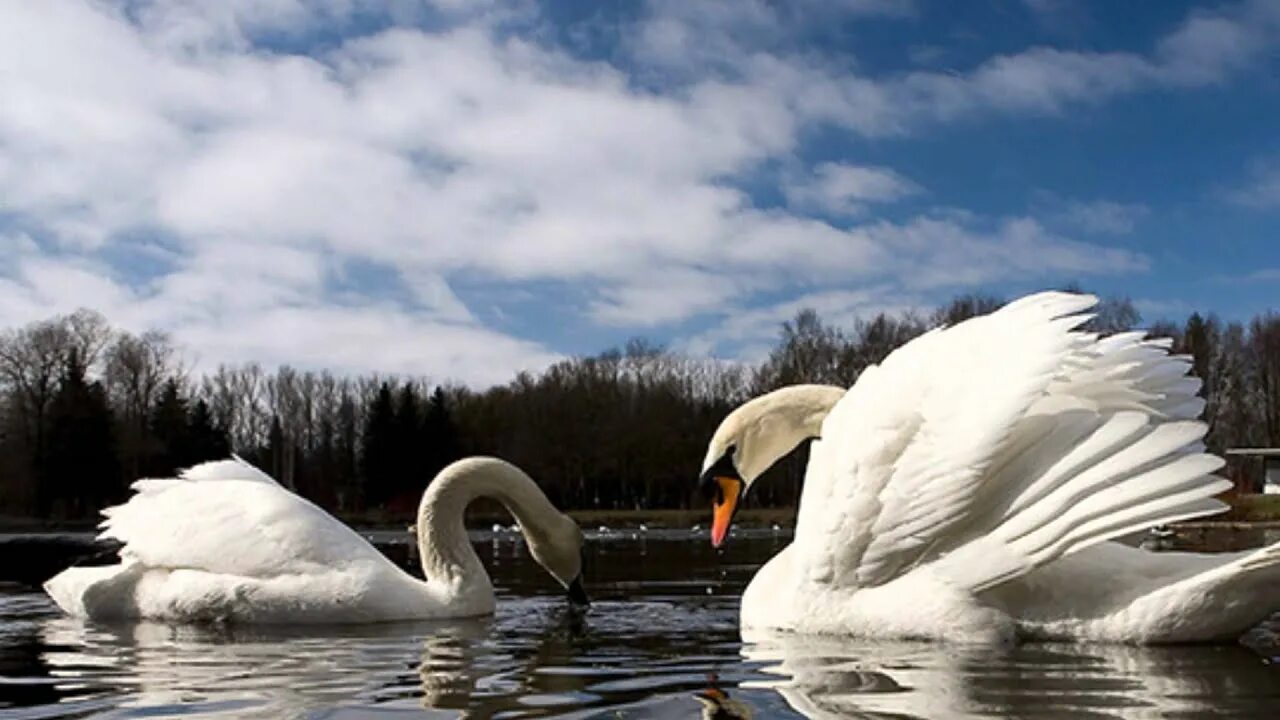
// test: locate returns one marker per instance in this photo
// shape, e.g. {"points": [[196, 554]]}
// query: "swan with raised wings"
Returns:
{"points": [[226, 542], [970, 486]]}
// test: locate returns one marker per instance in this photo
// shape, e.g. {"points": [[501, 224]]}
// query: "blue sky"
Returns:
{"points": [[465, 189]]}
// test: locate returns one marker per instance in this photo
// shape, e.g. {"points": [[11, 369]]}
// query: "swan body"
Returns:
{"points": [[226, 542], [970, 488]]}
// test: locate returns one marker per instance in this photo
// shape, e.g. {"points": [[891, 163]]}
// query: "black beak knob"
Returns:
{"points": [[577, 595]]}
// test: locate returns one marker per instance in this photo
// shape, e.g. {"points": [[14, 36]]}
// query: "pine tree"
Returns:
{"points": [[80, 471], [440, 433], [408, 455], [378, 447], [206, 441], [170, 431], [347, 475]]}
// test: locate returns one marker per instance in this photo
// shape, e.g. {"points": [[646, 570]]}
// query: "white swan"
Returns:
{"points": [[226, 542], [966, 488]]}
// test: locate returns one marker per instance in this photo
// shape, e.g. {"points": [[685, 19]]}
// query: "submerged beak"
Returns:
{"points": [[577, 595], [728, 491]]}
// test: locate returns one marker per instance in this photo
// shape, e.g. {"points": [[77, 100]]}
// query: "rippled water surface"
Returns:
{"points": [[660, 641]]}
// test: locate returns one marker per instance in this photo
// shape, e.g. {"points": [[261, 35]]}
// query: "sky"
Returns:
{"points": [[463, 190]]}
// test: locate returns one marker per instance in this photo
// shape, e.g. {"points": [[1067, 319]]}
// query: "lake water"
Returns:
{"points": [[662, 630]]}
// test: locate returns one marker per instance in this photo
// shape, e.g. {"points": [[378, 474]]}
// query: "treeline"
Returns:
{"points": [[86, 408]]}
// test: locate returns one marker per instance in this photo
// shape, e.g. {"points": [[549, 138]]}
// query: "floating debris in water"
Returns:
{"points": [[1159, 539]]}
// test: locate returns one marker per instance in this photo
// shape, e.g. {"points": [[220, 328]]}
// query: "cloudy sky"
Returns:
{"points": [[461, 189]]}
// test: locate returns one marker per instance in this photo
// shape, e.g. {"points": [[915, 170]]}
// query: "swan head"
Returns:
{"points": [[753, 437], [557, 546]]}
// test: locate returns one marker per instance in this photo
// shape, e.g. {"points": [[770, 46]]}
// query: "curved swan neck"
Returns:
{"points": [[443, 544], [766, 428], [801, 407]]}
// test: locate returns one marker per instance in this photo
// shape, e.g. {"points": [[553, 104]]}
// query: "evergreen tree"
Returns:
{"points": [[347, 471], [80, 464], [1200, 341], [206, 441], [619, 429], [441, 434], [409, 458], [378, 448], [276, 449], [170, 431]]}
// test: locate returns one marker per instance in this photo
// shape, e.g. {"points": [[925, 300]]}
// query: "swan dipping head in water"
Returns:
{"points": [[225, 542]]}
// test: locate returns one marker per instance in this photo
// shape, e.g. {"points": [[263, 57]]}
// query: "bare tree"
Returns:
{"points": [[1264, 347], [134, 369], [32, 357]]}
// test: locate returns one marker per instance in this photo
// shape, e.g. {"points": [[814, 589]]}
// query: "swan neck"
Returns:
{"points": [[443, 545], [806, 406], [795, 413], [772, 425]]}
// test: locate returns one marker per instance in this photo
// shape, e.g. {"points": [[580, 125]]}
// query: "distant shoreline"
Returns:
{"points": [[747, 517], [484, 517]]}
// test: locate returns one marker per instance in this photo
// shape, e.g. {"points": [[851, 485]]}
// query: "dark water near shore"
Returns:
{"points": [[662, 629]]}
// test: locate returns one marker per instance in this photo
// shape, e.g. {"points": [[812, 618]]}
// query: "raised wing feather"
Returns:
{"points": [[906, 450], [228, 517], [1000, 444], [234, 469]]}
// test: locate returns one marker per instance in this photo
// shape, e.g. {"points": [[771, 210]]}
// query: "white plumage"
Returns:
{"points": [[984, 460], [225, 542]]}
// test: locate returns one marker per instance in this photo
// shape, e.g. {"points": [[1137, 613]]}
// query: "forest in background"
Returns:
{"points": [[86, 408]]}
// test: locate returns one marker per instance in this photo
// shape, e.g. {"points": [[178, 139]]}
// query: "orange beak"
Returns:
{"points": [[727, 492], [714, 694]]}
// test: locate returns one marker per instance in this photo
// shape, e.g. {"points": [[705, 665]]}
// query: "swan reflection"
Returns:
{"points": [[448, 668], [828, 677], [448, 672], [264, 672]]}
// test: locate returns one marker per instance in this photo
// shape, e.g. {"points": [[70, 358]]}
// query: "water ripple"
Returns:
{"points": [[661, 641]]}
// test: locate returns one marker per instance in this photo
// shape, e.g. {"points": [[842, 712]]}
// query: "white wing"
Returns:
{"points": [[1002, 442], [234, 469], [229, 517]]}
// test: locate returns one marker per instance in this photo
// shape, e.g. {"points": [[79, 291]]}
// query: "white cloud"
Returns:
{"points": [[1205, 49], [916, 265], [944, 252], [1264, 275], [1262, 189], [843, 189], [663, 296], [463, 152], [1094, 217], [1104, 216], [1261, 275], [257, 307], [754, 330]]}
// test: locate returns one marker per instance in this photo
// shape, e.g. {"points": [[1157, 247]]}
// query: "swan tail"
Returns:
{"points": [[1268, 558], [1121, 474], [1220, 603], [72, 590]]}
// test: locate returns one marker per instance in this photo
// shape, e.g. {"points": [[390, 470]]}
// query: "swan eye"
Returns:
{"points": [[722, 468], [731, 460]]}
